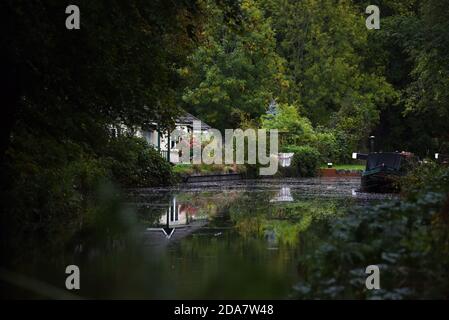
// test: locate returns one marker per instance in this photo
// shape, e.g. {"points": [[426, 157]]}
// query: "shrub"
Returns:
{"points": [[49, 192], [294, 129], [55, 187], [306, 160], [334, 145], [326, 144], [133, 163], [422, 177], [407, 238]]}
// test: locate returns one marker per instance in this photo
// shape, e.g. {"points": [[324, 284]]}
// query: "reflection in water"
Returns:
{"points": [[239, 239], [177, 216], [283, 195], [262, 226], [272, 241]]}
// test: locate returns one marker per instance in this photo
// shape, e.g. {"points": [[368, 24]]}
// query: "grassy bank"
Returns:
{"points": [[345, 166], [191, 169]]}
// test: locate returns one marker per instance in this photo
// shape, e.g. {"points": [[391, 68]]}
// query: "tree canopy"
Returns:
{"points": [[235, 71]]}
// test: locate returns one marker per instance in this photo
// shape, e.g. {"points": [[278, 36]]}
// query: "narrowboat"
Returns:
{"points": [[382, 172]]}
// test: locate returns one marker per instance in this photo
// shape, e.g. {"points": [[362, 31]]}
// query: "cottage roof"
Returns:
{"points": [[187, 119]]}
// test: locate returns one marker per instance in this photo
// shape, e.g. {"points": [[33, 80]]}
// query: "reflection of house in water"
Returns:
{"points": [[178, 221], [284, 195], [178, 214]]}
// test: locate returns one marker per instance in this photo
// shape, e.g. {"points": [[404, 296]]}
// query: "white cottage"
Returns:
{"points": [[161, 140]]}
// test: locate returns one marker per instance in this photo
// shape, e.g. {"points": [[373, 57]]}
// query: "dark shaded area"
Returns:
{"points": [[390, 160]]}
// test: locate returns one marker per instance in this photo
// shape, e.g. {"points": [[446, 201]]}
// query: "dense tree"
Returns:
{"points": [[235, 72], [61, 89], [325, 44], [119, 66], [410, 50], [428, 94], [293, 128]]}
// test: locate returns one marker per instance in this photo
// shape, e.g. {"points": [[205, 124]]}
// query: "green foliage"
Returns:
{"points": [[410, 49], [406, 239], [426, 176], [431, 72], [326, 144], [286, 222], [235, 72], [189, 169], [65, 88], [121, 64], [293, 129], [324, 44], [53, 191], [183, 169], [351, 167], [335, 81], [133, 163], [427, 95], [57, 192], [306, 160]]}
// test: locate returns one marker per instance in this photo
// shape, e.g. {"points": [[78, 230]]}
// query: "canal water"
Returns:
{"points": [[226, 240]]}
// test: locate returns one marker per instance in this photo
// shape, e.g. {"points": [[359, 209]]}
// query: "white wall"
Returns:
{"points": [[151, 137]]}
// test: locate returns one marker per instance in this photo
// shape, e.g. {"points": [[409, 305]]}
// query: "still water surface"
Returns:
{"points": [[226, 240]]}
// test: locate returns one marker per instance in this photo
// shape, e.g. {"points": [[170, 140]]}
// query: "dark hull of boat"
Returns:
{"points": [[380, 181]]}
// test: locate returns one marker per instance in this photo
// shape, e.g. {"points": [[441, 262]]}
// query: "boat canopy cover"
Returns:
{"points": [[387, 159]]}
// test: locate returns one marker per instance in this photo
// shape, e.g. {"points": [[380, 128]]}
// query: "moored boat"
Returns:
{"points": [[383, 171]]}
